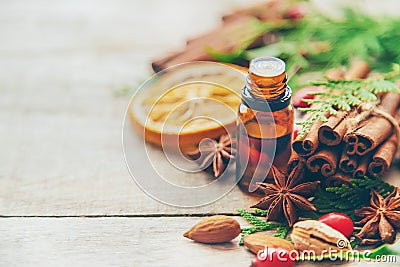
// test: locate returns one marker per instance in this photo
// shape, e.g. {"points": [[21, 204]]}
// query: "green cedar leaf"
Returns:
{"points": [[261, 225], [347, 198]]}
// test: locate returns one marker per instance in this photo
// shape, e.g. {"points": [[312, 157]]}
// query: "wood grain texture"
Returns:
{"points": [[118, 242], [60, 121], [61, 64]]}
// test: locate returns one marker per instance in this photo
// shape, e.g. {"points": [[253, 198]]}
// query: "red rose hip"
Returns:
{"points": [[304, 94], [340, 222]]}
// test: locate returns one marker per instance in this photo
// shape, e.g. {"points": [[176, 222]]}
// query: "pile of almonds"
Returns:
{"points": [[307, 235]]}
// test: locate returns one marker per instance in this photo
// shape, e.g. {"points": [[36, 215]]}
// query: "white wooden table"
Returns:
{"points": [[66, 197]]}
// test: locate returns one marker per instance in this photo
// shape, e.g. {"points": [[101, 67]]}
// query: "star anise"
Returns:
{"points": [[212, 151], [381, 219], [286, 195]]}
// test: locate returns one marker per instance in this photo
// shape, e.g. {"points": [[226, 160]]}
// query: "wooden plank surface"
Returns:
{"points": [[118, 242], [62, 64], [60, 121]]}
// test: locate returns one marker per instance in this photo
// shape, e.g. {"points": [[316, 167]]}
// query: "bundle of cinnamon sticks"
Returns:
{"points": [[351, 143], [238, 26]]}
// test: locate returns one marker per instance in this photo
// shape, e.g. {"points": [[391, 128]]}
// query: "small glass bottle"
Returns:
{"points": [[266, 123]]}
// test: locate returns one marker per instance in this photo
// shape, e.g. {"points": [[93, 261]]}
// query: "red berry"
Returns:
{"points": [[296, 131], [340, 222], [296, 11], [274, 257], [304, 94]]}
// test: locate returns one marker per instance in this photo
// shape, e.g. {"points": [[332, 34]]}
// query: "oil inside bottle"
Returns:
{"points": [[257, 155]]}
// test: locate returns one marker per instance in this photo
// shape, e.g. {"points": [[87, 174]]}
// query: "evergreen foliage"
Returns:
{"points": [[344, 95], [261, 225], [347, 198]]}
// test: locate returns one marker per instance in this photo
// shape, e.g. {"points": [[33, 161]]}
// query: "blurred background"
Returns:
{"points": [[67, 71]]}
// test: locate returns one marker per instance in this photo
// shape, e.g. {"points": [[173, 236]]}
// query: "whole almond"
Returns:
{"points": [[318, 237], [257, 241], [214, 229]]}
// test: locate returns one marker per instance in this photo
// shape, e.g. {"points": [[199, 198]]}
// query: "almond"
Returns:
{"points": [[256, 242], [214, 229]]}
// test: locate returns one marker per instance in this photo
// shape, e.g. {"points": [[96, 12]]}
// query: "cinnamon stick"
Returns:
{"points": [[324, 161], [384, 154], [335, 74], [375, 130], [294, 160], [382, 158], [337, 179], [267, 11], [309, 143], [351, 149], [358, 70], [347, 163], [332, 132], [224, 39], [362, 167], [237, 27]]}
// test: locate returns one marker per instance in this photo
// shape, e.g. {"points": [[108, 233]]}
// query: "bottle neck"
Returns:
{"points": [[268, 88]]}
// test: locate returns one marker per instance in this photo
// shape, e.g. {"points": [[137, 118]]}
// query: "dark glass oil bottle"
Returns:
{"points": [[266, 122]]}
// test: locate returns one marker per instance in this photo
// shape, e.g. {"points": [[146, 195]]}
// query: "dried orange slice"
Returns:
{"points": [[187, 103]]}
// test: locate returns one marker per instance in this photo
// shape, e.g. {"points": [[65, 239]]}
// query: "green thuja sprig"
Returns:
{"points": [[261, 225], [344, 95], [282, 231], [260, 212], [347, 198]]}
